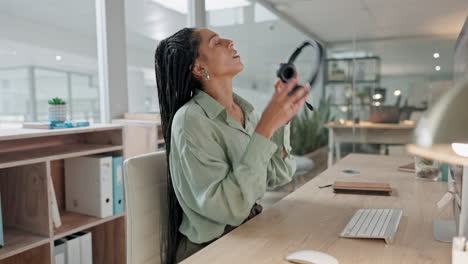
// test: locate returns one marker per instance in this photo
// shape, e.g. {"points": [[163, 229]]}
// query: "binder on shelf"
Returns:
{"points": [[86, 247], [73, 250], [60, 251], [88, 185], [2, 242], [53, 203], [117, 179]]}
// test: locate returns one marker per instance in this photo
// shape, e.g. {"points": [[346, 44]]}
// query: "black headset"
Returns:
{"points": [[287, 71]]}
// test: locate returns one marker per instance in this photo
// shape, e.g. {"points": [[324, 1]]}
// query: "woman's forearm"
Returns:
{"points": [[264, 130]]}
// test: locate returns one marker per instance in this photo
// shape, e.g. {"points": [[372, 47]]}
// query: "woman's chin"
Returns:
{"points": [[234, 70], [241, 67]]}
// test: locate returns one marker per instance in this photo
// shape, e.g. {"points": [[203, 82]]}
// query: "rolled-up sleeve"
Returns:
{"points": [[280, 171], [211, 187]]}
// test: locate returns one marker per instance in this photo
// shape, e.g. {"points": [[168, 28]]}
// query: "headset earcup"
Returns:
{"points": [[286, 72]]}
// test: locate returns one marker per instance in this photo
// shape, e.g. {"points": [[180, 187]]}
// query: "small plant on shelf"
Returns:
{"points": [[57, 110], [56, 101]]}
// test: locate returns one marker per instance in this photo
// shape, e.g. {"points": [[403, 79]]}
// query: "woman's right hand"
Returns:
{"points": [[282, 107]]}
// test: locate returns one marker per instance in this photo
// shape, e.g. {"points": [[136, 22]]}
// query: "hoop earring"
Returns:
{"points": [[207, 76]]}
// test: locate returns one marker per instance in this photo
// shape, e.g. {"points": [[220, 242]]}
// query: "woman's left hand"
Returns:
{"points": [[280, 85]]}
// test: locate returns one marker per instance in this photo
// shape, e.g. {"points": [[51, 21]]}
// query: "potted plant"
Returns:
{"points": [[308, 131], [309, 139], [362, 95], [309, 136], [57, 110]]}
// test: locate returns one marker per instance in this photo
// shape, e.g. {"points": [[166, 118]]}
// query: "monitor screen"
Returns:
{"points": [[461, 55]]}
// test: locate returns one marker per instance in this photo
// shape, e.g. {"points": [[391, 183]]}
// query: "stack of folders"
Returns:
{"points": [[2, 243], [94, 185], [74, 249]]}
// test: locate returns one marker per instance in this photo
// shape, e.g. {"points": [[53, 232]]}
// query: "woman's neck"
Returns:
{"points": [[221, 91]]}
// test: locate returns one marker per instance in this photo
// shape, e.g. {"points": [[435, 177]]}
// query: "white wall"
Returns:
{"points": [[262, 46]]}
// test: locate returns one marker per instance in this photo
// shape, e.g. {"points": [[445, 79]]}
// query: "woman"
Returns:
{"points": [[221, 156]]}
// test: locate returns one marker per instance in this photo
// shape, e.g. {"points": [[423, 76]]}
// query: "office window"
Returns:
{"points": [[15, 102], [42, 46], [260, 41], [84, 94], [391, 80], [262, 14], [148, 22], [46, 83]]}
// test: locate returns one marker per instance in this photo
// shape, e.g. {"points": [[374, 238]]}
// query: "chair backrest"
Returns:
{"points": [[145, 192]]}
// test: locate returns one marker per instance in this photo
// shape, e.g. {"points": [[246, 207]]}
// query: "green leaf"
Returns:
{"points": [[308, 131], [56, 101]]}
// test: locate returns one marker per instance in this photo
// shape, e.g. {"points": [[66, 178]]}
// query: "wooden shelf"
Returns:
{"points": [[31, 159], [74, 222], [21, 133], [349, 81], [17, 241], [443, 153], [366, 124], [24, 157]]}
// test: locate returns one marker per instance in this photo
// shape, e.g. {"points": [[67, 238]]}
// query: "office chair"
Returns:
{"points": [[145, 192]]}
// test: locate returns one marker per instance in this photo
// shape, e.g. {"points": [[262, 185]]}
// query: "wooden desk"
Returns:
{"points": [[367, 132], [312, 218]]}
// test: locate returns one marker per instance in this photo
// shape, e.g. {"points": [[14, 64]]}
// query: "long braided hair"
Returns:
{"points": [[174, 60]]}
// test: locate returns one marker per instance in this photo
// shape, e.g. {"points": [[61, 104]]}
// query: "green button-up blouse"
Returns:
{"points": [[219, 168]]}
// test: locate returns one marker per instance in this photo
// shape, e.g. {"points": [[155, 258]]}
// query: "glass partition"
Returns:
{"points": [[379, 85], [148, 22], [44, 51], [26, 91], [263, 40]]}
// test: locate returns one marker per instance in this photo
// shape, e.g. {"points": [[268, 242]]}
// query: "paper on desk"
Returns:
{"points": [[446, 199]]}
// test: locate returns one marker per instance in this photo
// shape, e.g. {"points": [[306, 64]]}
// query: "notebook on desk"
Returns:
{"points": [[407, 167], [369, 188]]}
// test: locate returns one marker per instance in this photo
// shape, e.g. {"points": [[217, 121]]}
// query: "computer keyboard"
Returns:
{"points": [[373, 223]]}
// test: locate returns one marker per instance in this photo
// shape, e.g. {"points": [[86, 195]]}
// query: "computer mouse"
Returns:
{"points": [[311, 257]]}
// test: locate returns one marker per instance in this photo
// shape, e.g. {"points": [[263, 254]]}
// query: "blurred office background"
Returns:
{"points": [[397, 53]]}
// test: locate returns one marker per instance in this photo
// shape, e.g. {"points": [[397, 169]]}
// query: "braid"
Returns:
{"points": [[174, 61]]}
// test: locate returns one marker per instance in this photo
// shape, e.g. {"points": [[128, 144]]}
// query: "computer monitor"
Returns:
{"points": [[384, 114], [460, 70], [456, 184]]}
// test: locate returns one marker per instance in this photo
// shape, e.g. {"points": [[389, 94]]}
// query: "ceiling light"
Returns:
{"points": [[437, 68], [344, 108], [436, 55], [397, 93], [377, 103], [58, 58], [377, 96]]}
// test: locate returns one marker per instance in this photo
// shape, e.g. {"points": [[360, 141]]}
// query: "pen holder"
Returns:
{"points": [[427, 169]]}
